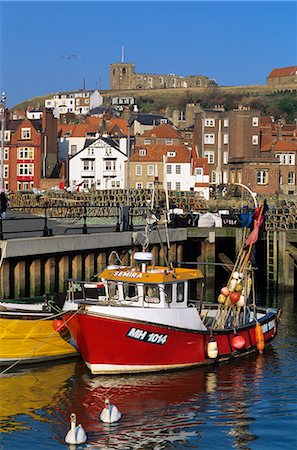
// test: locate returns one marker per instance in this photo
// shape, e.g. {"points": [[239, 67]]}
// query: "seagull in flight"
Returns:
{"points": [[68, 57]]}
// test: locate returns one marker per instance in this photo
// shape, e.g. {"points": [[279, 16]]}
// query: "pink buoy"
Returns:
{"points": [[225, 291], [238, 342]]}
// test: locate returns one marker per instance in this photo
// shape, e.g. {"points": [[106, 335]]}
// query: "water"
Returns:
{"points": [[247, 404]]}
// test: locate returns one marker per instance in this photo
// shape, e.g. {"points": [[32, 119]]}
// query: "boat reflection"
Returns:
{"points": [[28, 391], [163, 409]]}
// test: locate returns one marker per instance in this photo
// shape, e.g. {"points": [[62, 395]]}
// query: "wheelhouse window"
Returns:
{"points": [[113, 291], [151, 293], [180, 294], [168, 293], [130, 292]]}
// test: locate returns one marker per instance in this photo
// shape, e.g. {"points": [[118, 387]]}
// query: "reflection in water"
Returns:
{"points": [[232, 405]]}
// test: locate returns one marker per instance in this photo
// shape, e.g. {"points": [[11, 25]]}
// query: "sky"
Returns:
{"points": [[53, 46]]}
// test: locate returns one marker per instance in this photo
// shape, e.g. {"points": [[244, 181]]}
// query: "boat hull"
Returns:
{"points": [[27, 339], [113, 345]]}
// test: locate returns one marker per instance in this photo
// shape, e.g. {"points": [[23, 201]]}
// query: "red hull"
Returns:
{"points": [[110, 345]]}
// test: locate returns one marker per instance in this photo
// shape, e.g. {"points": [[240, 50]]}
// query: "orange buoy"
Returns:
{"points": [[59, 325], [234, 297], [260, 342]]}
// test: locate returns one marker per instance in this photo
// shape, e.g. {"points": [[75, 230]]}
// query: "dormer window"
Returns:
{"points": [[26, 133], [163, 121], [171, 154], [142, 152], [147, 141]]}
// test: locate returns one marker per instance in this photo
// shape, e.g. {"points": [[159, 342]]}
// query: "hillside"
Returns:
{"points": [[270, 101]]}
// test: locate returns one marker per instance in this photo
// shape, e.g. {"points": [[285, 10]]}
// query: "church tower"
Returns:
{"points": [[122, 76]]}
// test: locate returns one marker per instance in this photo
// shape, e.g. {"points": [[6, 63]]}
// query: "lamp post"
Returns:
{"points": [[3, 106]]}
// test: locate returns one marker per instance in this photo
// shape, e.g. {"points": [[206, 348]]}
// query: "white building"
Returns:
{"points": [[99, 165], [177, 175], [80, 102]]}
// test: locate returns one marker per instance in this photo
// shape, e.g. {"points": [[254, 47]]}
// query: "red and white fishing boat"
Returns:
{"points": [[140, 318]]}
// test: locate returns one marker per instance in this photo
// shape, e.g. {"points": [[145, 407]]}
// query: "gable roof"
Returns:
{"points": [[279, 145], [146, 119], [162, 131], [283, 72], [155, 153]]}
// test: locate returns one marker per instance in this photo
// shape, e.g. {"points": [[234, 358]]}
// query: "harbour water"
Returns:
{"points": [[246, 404]]}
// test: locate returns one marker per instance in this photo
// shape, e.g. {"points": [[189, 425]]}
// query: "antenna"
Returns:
{"points": [[123, 54]]}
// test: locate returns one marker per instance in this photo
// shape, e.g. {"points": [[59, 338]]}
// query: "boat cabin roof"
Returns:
{"points": [[152, 274]]}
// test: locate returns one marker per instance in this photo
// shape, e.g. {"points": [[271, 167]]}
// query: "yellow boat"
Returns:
{"points": [[27, 335]]}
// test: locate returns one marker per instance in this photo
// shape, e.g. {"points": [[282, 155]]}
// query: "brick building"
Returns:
{"points": [[123, 77], [30, 151]]}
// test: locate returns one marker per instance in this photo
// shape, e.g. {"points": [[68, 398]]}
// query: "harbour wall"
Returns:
{"points": [[36, 266]]}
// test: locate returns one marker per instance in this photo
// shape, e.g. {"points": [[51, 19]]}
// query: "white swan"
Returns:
{"points": [[76, 434], [110, 413]]}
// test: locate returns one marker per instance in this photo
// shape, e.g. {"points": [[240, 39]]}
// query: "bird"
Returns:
{"points": [[68, 57], [76, 434], [110, 413]]}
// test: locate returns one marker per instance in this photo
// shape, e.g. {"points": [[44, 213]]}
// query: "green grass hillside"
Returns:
{"points": [[275, 102]]}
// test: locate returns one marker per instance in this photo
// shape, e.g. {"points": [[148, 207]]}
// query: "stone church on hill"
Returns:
{"points": [[123, 77]]}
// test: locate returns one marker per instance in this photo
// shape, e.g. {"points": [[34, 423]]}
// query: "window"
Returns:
{"points": [[210, 156], [6, 154], [209, 122], [255, 139], [226, 123], [180, 292], [168, 141], [239, 176], [25, 170], [177, 186], [73, 149], [226, 138], [151, 293], [6, 135], [142, 152], [88, 165], [262, 177], [5, 171], [286, 158], [149, 185], [90, 151], [150, 170], [232, 177], [171, 154], [146, 142], [178, 169], [255, 121], [138, 185], [112, 290], [138, 170], [225, 156], [213, 176], [209, 139], [182, 116], [198, 171], [26, 153], [169, 169], [110, 165], [291, 178], [169, 186], [26, 133]]}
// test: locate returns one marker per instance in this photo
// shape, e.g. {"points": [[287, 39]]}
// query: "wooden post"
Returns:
{"points": [[285, 263], [101, 262], [19, 280], [76, 267], [179, 253], [4, 273], [35, 277], [63, 273], [89, 266], [49, 276], [208, 254]]}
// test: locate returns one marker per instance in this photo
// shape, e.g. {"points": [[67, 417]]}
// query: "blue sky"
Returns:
{"points": [[48, 47]]}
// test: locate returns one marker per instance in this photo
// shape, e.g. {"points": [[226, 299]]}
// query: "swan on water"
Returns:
{"points": [[110, 413], [76, 434]]}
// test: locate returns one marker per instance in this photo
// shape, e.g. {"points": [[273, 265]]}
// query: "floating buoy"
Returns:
{"points": [[241, 301], [225, 291], [234, 297], [212, 348], [260, 342], [235, 275], [222, 299], [238, 287], [232, 285], [238, 342], [59, 325]]}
